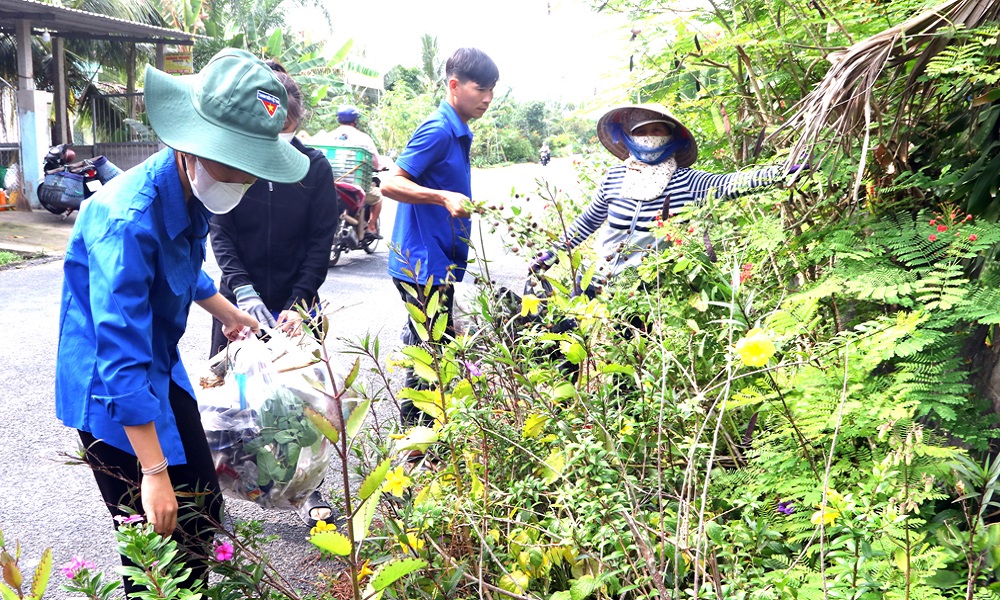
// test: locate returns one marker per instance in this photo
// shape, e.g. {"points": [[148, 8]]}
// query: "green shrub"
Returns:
{"points": [[7, 258]]}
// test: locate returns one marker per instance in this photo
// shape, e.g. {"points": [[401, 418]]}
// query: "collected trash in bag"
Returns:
{"points": [[265, 448]]}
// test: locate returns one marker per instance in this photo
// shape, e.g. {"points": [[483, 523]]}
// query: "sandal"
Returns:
{"points": [[417, 461], [315, 509]]}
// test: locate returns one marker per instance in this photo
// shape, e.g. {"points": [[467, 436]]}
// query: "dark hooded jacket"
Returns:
{"points": [[278, 237]]}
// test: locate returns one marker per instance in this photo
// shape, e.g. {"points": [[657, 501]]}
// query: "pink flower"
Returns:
{"points": [[73, 567], [474, 370], [224, 551], [129, 520], [932, 237], [973, 237], [968, 217], [745, 272], [942, 228], [933, 222]]}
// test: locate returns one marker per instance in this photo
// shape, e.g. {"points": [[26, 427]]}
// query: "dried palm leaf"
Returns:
{"points": [[844, 104]]}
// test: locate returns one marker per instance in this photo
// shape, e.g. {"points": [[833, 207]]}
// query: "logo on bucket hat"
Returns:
{"points": [[270, 101]]}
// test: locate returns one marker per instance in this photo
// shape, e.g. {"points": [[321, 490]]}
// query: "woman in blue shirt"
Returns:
{"points": [[132, 270]]}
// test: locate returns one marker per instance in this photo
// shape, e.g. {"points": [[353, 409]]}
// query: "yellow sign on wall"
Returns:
{"points": [[178, 63]]}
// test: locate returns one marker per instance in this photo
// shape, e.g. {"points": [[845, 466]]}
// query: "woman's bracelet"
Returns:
{"points": [[158, 468]]}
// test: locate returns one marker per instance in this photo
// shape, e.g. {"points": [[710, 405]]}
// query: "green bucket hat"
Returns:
{"points": [[231, 112]]}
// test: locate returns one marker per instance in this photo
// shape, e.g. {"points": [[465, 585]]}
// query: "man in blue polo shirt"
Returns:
{"points": [[433, 183]]}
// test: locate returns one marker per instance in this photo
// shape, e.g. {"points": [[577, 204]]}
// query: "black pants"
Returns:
{"points": [[409, 414], [117, 474], [219, 339]]}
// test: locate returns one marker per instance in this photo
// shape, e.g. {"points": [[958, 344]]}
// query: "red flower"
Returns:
{"points": [[933, 222], [942, 228], [932, 237], [973, 237]]}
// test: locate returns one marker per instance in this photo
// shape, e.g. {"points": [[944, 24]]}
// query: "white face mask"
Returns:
{"points": [[287, 136], [650, 142], [218, 197], [648, 145]]}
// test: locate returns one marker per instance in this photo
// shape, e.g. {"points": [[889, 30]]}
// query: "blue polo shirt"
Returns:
{"points": [[132, 269], [436, 157]]}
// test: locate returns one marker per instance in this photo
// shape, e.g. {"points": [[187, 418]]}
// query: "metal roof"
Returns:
{"points": [[73, 23]]}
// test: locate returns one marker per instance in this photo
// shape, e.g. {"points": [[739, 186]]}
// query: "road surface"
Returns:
{"points": [[47, 503]]}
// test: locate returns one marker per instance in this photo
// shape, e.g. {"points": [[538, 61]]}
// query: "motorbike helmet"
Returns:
{"points": [[348, 114]]}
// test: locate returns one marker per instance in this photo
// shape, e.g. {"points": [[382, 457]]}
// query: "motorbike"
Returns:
{"points": [[67, 184], [354, 217], [544, 158]]}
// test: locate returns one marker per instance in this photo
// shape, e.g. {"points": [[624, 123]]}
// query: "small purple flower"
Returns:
{"points": [[473, 368], [73, 567], [129, 520], [786, 508]]}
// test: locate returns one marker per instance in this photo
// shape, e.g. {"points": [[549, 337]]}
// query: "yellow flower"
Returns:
{"points": [[755, 348], [529, 304], [396, 481], [825, 516], [322, 526], [364, 571], [411, 540]]}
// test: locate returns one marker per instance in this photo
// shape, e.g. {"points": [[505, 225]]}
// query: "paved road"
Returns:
{"points": [[44, 502]]}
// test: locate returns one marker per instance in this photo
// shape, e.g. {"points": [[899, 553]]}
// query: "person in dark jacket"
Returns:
{"points": [[274, 248]]}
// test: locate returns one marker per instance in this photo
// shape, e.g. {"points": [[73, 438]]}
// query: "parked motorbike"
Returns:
{"points": [[67, 184], [354, 216]]}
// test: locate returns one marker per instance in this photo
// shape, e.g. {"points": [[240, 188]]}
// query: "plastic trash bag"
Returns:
{"points": [[265, 448]]}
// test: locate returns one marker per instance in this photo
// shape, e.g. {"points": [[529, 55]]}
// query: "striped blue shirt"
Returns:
{"points": [[628, 223]]}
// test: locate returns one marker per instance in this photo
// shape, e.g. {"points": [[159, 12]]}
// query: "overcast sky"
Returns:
{"points": [[556, 49]]}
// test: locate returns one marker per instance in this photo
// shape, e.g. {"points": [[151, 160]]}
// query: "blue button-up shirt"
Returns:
{"points": [[436, 157], [133, 266]]}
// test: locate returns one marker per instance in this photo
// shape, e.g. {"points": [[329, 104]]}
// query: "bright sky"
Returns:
{"points": [[545, 49]]}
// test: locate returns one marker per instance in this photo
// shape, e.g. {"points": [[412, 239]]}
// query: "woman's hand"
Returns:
{"points": [[236, 323], [159, 502], [290, 321], [239, 324]]}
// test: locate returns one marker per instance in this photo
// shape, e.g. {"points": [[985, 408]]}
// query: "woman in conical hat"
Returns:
{"points": [[654, 180]]}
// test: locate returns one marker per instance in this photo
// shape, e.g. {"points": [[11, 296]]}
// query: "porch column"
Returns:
{"points": [[33, 117], [63, 134]]}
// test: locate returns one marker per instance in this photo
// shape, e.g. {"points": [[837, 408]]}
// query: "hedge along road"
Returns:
{"points": [[45, 502]]}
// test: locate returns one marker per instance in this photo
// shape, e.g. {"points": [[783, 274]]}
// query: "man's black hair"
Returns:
{"points": [[472, 64]]}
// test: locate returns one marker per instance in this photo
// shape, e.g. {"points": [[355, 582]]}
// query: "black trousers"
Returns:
{"points": [[118, 475], [409, 414]]}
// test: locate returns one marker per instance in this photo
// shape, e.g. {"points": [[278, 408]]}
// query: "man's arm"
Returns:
{"points": [[399, 186]]}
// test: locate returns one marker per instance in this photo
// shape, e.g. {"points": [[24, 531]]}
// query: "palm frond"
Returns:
{"points": [[845, 103]]}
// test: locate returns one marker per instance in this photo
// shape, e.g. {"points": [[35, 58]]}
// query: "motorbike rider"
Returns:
{"points": [[543, 153], [348, 134]]}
